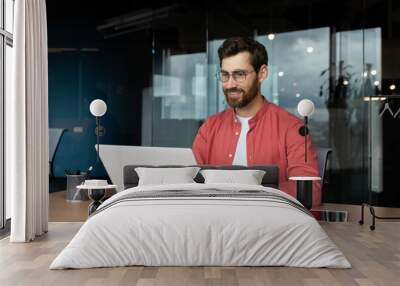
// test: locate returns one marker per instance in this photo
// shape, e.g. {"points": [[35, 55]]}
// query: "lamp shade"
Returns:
{"points": [[305, 107], [98, 107]]}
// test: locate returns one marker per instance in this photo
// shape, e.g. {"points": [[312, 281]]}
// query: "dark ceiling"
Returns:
{"points": [[261, 15]]}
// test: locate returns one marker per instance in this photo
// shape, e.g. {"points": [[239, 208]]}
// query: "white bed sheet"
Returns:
{"points": [[200, 231]]}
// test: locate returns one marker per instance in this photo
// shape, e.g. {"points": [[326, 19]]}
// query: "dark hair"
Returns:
{"points": [[235, 45]]}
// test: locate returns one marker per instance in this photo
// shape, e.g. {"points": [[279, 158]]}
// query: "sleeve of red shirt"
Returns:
{"points": [[295, 151], [199, 146]]}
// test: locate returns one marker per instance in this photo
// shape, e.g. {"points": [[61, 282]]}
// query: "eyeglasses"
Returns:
{"points": [[238, 76]]}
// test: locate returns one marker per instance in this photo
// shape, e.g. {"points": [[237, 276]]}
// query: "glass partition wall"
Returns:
{"points": [[336, 64], [179, 80]]}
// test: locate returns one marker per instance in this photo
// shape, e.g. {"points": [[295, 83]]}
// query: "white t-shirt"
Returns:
{"points": [[241, 148]]}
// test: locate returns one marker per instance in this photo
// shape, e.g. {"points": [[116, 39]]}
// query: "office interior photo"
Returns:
{"points": [[204, 143]]}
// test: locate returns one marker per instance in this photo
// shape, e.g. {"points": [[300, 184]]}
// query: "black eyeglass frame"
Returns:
{"points": [[237, 75]]}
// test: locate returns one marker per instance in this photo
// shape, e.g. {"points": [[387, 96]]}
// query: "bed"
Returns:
{"points": [[201, 224]]}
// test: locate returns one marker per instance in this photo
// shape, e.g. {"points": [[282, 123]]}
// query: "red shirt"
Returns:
{"points": [[273, 139]]}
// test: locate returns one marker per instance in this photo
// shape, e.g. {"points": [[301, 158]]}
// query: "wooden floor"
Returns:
{"points": [[62, 210], [374, 255]]}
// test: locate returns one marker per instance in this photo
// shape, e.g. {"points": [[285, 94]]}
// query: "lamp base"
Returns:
{"points": [[304, 193]]}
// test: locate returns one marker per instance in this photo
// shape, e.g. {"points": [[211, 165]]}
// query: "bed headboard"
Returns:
{"points": [[270, 179]]}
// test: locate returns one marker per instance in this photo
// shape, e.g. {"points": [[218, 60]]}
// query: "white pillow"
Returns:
{"points": [[163, 176], [249, 177]]}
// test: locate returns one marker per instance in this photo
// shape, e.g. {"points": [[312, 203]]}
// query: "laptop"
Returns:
{"points": [[115, 157]]}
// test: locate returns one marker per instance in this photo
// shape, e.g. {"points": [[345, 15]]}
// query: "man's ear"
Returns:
{"points": [[263, 73]]}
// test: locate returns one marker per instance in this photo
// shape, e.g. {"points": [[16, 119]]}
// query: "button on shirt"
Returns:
{"points": [[272, 139], [241, 148]]}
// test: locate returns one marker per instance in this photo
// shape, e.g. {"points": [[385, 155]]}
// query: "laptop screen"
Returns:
{"points": [[115, 157]]}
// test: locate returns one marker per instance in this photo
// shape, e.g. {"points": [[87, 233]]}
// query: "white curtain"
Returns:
{"points": [[27, 124]]}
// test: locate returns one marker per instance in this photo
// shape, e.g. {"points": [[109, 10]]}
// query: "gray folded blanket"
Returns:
{"points": [[205, 193]]}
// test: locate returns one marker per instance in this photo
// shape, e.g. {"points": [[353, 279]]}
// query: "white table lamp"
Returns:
{"points": [[304, 184], [98, 108], [305, 109]]}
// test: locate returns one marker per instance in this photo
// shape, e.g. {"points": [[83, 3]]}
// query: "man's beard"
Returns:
{"points": [[246, 97]]}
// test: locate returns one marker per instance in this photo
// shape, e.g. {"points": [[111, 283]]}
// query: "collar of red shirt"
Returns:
{"points": [[255, 118]]}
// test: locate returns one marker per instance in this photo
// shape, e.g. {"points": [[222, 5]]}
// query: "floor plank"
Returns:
{"points": [[375, 257], [62, 210]]}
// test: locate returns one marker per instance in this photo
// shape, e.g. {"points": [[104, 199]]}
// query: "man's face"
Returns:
{"points": [[240, 92]]}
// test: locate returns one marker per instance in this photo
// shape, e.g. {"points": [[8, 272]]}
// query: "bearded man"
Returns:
{"points": [[253, 131]]}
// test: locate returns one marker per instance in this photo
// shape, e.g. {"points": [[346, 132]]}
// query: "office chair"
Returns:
{"points": [[55, 135], [323, 156]]}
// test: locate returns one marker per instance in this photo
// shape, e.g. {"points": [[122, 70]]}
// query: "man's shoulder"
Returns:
{"points": [[218, 117], [283, 115]]}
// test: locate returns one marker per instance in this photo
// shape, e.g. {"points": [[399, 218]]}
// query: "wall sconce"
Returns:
{"points": [[304, 183], [98, 108], [305, 109]]}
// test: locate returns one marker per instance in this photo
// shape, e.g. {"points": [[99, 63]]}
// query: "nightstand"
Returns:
{"points": [[96, 194], [304, 189]]}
